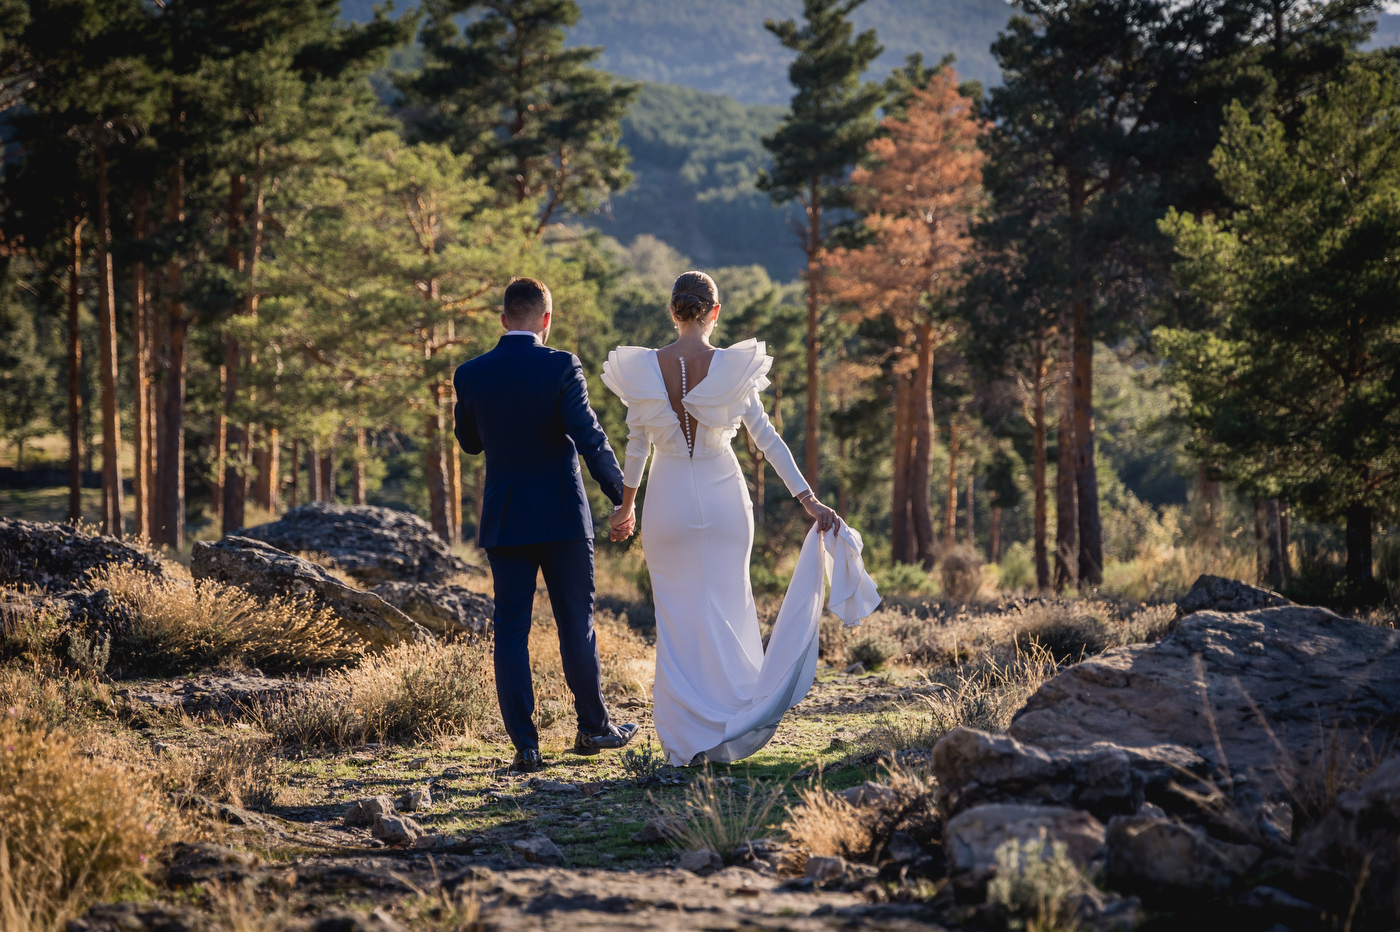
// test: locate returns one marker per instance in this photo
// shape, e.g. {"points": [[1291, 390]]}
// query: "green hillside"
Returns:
{"points": [[721, 46], [695, 156]]}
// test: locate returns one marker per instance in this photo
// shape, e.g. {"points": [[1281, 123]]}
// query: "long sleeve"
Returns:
{"points": [[638, 451], [463, 424], [583, 428], [767, 439]]}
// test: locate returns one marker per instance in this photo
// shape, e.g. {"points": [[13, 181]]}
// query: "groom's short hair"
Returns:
{"points": [[527, 300]]}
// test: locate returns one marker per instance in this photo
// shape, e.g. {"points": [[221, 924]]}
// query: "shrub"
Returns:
{"points": [[30, 624], [873, 650], [642, 764], [825, 825], [76, 829], [409, 693], [246, 773], [1067, 630], [719, 814], [1016, 571], [903, 578], [1036, 884], [177, 625], [961, 571]]}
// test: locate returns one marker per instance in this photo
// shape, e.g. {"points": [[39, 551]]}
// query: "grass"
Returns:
{"points": [[1035, 884], [823, 824], [76, 828], [721, 813], [245, 772]]}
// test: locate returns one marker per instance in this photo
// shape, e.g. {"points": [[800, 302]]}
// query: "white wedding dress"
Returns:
{"points": [[716, 690]]}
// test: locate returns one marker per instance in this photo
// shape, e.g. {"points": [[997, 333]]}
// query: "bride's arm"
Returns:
{"points": [[767, 439], [623, 520]]}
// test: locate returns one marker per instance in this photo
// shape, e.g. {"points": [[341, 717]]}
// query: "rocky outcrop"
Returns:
{"points": [[1160, 859], [1222, 594], [972, 838], [446, 611], [1356, 843], [265, 572], [56, 556], [369, 543]]}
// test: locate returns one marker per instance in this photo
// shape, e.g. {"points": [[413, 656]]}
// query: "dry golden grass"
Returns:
{"points": [[412, 692], [629, 667], [721, 813], [246, 772], [960, 569], [823, 824], [178, 624], [1167, 572], [43, 695], [76, 828]]}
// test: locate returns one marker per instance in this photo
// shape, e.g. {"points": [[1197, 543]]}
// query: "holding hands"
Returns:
{"points": [[622, 522]]}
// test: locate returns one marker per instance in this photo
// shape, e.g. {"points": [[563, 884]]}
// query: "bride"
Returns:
{"points": [[718, 696]]}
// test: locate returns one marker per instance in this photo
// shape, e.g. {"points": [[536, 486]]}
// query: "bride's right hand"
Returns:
{"points": [[621, 524], [825, 517]]}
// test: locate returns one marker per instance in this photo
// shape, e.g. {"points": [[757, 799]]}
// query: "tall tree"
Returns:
{"points": [[918, 199], [499, 87], [1295, 385], [830, 121]]}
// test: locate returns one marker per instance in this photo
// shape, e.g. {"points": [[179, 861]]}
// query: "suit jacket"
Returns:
{"points": [[526, 406]]}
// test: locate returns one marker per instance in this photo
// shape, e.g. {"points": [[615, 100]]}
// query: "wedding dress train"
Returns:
{"points": [[717, 691]]}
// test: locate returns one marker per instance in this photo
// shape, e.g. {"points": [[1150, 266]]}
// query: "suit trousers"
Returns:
{"points": [[568, 576]]}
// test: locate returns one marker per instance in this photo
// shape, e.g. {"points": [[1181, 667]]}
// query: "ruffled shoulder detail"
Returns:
{"points": [[736, 372], [632, 374]]}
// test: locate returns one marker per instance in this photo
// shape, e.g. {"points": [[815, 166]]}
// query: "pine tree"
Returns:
{"points": [[1294, 384], [829, 123], [531, 115], [918, 200]]}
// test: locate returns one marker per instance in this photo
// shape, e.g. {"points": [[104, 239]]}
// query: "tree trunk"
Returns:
{"points": [[903, 546], [994, 536], [813, 244], [433, 469], [1209, 508], [950, 509], [1273, 570], [357, 488], [269, 482], [294, 493], [971, 525], [328, 473], [107, 346], [921, 468], [1042, 558], [141, 377], [1359, 576], [1066, 510], [1285, 562], [1085, 470], [235, 480], [315, 488], [170, 466], [1261, 541], [75, 372]]}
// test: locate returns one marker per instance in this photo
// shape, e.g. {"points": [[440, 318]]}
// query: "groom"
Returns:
{"points": [[526, 406]]}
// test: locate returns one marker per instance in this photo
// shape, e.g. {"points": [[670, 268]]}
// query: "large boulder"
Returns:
{"points": [[1222, 594], [971, 838], [267, 572], [368, 543], [1160, 859], [56, 556], [446, 611], [1205, 686]]}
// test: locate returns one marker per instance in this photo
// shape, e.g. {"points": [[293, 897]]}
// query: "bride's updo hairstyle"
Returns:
{"points": [[693, 296]]}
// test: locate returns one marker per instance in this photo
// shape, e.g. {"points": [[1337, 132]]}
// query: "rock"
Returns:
{"points": [[656, 830], [365, 811], [349, 921], [1161, 860], [128, 917], [974, 768], [971, 838], [1219, 594], [869, 794], [190, 863], [559, 789], [855, 669], [1297, 666], [700, 862], [369, 543], [435, 842], [538, 849], [415, 800], [265, 571], [1362, 828], [227, 696], [825, 870], [418, 763], [395, 829], [56, 556], [446, 611], [902, 847]]}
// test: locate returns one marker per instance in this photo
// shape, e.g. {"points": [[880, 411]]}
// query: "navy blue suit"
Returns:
{"points": [[526, 406]]}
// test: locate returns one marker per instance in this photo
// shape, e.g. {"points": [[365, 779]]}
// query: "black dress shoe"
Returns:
{"points": [[615, 737], [527, 760]]}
